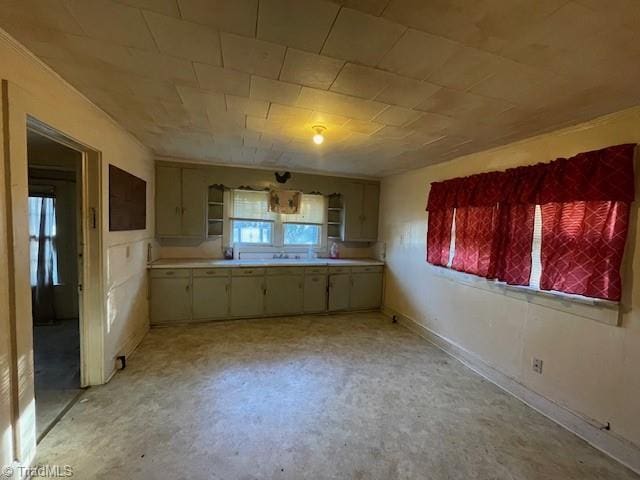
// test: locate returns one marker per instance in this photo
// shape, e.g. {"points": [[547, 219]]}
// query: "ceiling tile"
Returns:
{"points": [[224, 80], [418, 54], [252, 56], [324, 118], [247, 106], [274, 90], [514, 82], [374, 7], [184, 39], [431, 123], [486, 24], [310, 69], [196, 98], [301, 24], [237, 16], [361, 38], [364, 127], [397, 116], [466, 67], [454, 103], [111, 21], [286, 113], [339, 104], [392, 132], [51, 14], [482, 73], [165, 7], [160, 66], [406, 92], [361, 81]]}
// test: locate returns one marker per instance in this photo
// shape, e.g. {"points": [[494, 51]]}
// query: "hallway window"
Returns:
{"points": [[42, 240]]}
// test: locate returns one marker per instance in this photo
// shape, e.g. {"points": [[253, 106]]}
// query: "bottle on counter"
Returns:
{"points": [[334, 251]]}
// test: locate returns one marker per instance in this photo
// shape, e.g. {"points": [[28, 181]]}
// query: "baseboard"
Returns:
{"points": [[617, 448], [129, 347]]}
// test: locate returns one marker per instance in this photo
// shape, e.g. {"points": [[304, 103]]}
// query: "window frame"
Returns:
{"points": [[598, 309], [317, 244], [277, 237], [261, 244]]}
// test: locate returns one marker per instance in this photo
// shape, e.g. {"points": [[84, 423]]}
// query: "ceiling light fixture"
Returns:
{"points": [[318, 138]]}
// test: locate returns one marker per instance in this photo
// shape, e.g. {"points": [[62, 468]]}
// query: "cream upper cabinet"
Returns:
{"points": [[180, 202], [168, 202], [361, 212]]}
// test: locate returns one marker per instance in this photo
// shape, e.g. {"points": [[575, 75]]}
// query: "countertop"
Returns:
{"points": [[276, 262]]}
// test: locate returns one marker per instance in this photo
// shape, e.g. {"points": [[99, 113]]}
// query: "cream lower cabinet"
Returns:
{"points": [[366, 288], [284, 293], [211, 292], [339, 289], [170, 295], [182, 294], [315, 290], [247, 292]]}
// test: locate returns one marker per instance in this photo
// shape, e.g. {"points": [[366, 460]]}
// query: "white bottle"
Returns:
{"points": [[334, 251]]}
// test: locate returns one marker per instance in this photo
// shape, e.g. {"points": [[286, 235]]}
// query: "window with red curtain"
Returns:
{"points": [[584, 200], [582, 247]]}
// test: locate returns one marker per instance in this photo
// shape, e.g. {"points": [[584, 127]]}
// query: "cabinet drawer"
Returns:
{"points": [[211, 272], [247, 272], [369, 269], [285, 270], [170, 272], [312, 270], [339, 269]]}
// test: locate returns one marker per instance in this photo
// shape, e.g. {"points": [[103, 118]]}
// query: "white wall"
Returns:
{"points": [[589, 367], [33, 89]]}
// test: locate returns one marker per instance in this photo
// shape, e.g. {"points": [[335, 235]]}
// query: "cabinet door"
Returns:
{"points": [[339, 290], [370, 205], [170, 300], [284, 294], [194, 199], [366, 290], [210, 297], [247, 297], [352, 199], [315, 293], [168, 202]]}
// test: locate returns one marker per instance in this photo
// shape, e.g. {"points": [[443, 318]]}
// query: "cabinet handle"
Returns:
{"points": [[187, 288], [177, 210], [169, 273]]}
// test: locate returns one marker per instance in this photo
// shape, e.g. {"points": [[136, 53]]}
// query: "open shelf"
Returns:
{"points": [[215, 211]]}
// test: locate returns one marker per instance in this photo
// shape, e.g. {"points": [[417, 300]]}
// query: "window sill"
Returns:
{"points": [[603, 311]]}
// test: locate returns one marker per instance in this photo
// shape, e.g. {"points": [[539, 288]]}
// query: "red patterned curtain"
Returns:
{"points": [[475, 234], [513, 244], [585, 201], [439, 236], [582, 247]]}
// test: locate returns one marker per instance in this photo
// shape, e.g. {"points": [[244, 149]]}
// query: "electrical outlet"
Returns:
{"points": [[536, 365]]}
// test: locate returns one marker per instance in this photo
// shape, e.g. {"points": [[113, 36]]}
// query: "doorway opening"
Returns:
{"points": [[55, 252]]}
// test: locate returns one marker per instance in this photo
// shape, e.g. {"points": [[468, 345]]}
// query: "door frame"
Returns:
{"points": [[90, 275]]}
